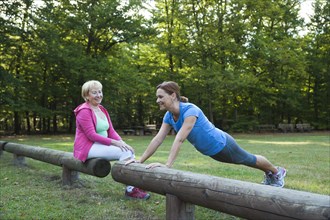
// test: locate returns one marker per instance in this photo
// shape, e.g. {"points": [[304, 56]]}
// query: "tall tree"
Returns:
{"points": [[16, 32], [318, 58], [242, 61], [275, 58]]}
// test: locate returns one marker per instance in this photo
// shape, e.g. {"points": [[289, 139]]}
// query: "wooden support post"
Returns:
{"points": [[19, 160], [66, 176], [178, 209], [69, 177]]}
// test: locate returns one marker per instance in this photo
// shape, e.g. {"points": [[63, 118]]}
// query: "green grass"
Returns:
{"points": [[35, 192]]}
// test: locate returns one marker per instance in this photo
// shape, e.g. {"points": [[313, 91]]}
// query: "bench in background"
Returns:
{"points": [[304, 127], [141, 130], [266, 127], [286, 127]]}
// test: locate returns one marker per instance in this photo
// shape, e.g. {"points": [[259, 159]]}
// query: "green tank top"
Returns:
{"points": [[102, 125]]}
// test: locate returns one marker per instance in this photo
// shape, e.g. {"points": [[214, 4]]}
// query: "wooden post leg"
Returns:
{"points": [[177, 209], [69, 177], [66, 176], [74, 176], [19, 160]]}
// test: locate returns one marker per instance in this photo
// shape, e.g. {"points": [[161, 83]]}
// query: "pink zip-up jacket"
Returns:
{"points": [[86, 134]]}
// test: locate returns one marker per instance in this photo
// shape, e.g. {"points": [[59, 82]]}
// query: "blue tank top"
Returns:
{"points": [[204, 136]]}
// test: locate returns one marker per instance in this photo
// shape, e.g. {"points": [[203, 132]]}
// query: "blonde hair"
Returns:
{"points": [[88, 86]]}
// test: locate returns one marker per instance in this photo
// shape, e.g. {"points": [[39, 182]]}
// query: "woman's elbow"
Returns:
{"points": [[181, 140]]}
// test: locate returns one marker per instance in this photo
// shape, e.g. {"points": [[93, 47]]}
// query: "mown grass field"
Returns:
{"points": [[35, 192]]}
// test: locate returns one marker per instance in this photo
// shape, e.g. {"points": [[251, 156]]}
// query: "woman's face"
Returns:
{"points": [[164, 100], [95, 96]]}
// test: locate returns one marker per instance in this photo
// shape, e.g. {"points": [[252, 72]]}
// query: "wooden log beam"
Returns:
{"points": [[242, 199], [2, 145], [96, 167]]}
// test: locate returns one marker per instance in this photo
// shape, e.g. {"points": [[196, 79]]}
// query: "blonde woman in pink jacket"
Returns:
{"points": [[95, 136]]}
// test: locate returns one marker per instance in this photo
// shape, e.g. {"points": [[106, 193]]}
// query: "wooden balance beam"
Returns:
{"points": [[238, 198], [95, 167]]}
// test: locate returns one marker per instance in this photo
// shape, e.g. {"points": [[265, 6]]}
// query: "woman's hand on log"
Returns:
{"points": [[154, 165], [132, 161]]}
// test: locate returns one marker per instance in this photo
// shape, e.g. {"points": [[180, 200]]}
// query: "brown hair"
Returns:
{"points": [[171, 87]]}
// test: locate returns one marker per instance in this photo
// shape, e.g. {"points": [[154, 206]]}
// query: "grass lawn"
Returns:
{"points": [[35, 192]]}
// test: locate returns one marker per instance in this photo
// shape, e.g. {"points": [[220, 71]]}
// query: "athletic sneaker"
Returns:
{"points": [[267, 178], [137, 193], [278, 178]]}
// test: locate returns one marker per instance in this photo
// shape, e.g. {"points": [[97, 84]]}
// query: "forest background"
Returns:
{"points": [[244, 62]]}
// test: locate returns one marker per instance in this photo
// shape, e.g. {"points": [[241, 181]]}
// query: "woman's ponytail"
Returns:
{"points": [[184, 99]]}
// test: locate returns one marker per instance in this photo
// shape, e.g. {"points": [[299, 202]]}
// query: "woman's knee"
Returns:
{"points": [[126, 155]]}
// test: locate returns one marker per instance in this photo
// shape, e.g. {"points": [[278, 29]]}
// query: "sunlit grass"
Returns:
{"points": [[35, 192]]}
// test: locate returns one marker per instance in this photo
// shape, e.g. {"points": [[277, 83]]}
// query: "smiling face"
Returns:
{"points": [[95, 95], [164, 100]]}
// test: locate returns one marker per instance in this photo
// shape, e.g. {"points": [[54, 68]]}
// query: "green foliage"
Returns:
{"points": [[244, 124], [231, 58], [318, 84]]}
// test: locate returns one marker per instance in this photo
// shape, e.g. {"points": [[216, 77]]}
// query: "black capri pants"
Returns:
{"points": [[233, 153]]}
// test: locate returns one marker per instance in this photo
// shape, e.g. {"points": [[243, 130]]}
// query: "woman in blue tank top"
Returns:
{"points": [[190, 123]]}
